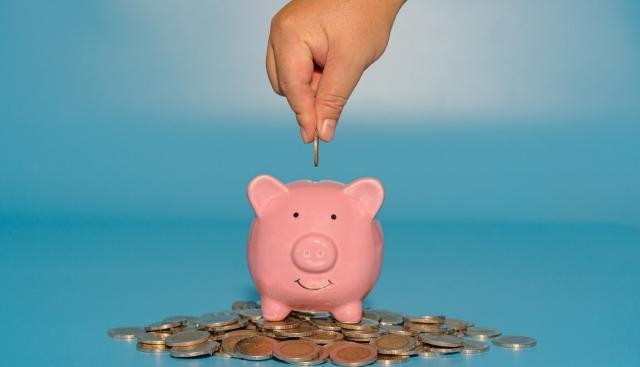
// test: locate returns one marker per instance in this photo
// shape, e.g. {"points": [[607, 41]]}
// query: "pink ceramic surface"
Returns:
{"points": [[314, 245]]}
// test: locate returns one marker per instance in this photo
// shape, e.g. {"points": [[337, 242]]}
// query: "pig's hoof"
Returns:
{"points": [[348, 313], [273, 310]]}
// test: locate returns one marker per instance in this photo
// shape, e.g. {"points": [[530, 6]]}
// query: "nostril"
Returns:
{"points": [[319, 253], [307, 253]]}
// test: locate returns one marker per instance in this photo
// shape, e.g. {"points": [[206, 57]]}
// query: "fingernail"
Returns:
{"points": [[305, 137], [327, 129]]}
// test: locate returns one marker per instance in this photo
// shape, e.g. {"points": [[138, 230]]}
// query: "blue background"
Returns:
{"points": [[506, 136]]}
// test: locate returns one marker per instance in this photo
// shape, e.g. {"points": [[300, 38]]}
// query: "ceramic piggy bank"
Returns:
{"points": [[314, 245]]}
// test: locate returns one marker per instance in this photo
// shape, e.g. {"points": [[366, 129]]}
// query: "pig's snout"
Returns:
{"points": [[314, 253]]}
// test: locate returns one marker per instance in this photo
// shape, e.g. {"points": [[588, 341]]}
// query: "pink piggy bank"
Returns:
{"points": [[314, 245]]}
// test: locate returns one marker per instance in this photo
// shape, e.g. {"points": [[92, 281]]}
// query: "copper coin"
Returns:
{"points": [[229, 340], [255, 348], [354, 355], [296, 351]]}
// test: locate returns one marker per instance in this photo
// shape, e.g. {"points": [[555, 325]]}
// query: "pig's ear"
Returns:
{"points": [[262, 190], [369, 191]]}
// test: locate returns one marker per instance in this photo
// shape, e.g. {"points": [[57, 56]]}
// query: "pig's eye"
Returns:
{"points": [[334, 217], [296, 214]]}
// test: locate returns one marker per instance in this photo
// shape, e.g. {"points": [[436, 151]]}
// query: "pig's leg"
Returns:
{"points": [[349, 312], [273, 310]]}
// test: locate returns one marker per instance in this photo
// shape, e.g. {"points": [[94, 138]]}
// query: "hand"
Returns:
{"points": [[317, 52]]}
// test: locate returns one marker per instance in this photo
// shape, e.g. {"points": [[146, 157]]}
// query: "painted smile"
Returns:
{"points": [[312, 288]]}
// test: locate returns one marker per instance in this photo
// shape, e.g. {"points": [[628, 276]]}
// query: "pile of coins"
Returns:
{"points": [[308, 338]]}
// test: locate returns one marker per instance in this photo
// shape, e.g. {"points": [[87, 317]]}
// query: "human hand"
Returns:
{"points": [[317, 52]]}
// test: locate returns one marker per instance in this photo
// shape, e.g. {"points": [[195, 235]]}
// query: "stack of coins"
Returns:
{"points": [[308, 337]]}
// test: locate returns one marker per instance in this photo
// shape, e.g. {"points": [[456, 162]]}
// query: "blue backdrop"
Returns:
{"points": [[506, 135]]}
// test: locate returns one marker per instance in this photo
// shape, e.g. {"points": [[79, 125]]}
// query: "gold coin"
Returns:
{"points": [[397, 330], [458, 325], [207, 348], [187, 338], [297, 332], [324, 336], [361, 334], [296, 351], [151, 338], [481, 333], [364, 324], [426, 328], [354, 355], [150, 348], [126, 332], [515, 342], [255, 348], [473, 347], [447, 341], [161, 325], [324, 324], [392, 344], [427, 319], [232, 338], [288, 323], [316, 150], [389, 359]]}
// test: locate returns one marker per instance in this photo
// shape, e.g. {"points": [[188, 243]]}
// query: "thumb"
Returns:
{"points": [[339, 77]]}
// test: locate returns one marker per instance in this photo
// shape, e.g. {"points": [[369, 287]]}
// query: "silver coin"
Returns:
{"points": [[312, 314], [390, 318], [182, 320], [126, 332], [250, 313], [481, 333], [288, 323], [515, 342], [316, 150], [447, 341], [396, 330], [445, 350], [364, 324], [243, 305], [474, 347], [217, 320], [207, 348]]}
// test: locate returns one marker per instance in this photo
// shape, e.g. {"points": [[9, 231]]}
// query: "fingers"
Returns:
{"points": [[271, 70], [294, 69], [340, 75]]}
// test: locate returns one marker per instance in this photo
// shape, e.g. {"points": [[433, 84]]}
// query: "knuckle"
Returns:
{"points": [[332, 102], [281, 22]]}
